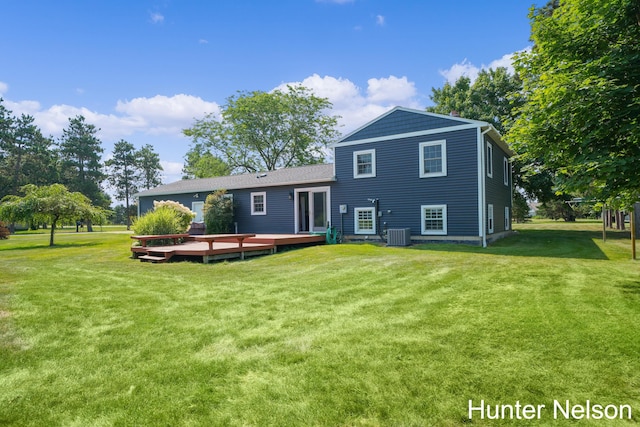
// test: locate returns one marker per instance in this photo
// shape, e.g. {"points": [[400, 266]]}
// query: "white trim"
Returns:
{"points": [[405, 135], [490, 219], [489, 159], [356, 224], [507, 219], [505, 171], [372, 174], [423, 229], [443, 172], [264, 203]]}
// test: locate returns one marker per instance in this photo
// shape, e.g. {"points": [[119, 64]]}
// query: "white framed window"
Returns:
{"points": [[507, 218], [365, 220], [433, 159], [434, 219], [506, 171], [490, 219], [489, 160], [364, 164], [259, 203]]}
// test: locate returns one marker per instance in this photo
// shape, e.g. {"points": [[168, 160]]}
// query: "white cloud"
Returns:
{"points": [[466, 68], [380, 20], [356, 107], [4, 88], [391, 89], [171, 171], [158, 115], [157, 18], [162, 114]]}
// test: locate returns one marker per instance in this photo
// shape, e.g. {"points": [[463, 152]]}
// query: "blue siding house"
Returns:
{"points": [[443, 178]]}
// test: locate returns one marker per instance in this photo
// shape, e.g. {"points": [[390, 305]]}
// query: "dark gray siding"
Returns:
{"points": [[497, 193], [401, 121], [401, 191]]}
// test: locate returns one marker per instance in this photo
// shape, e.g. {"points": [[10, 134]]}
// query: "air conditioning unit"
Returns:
{"points": [[398, 237]]}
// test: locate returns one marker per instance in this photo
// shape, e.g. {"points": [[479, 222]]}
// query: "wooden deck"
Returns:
{"points": [[218, 247]]}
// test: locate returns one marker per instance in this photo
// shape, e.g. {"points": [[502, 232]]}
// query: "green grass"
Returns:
{"points": [[325, 336]]}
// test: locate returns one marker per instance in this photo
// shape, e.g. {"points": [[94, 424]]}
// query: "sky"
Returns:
{"points": [[144, 70]]}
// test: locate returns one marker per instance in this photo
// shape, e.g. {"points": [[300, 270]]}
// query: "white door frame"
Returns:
{"points": [[296, 213]]}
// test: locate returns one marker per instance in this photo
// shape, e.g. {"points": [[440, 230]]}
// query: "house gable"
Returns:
{"points": [[401, 120]]}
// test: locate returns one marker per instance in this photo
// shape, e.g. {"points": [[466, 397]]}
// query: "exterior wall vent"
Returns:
{"points": [[399, 237]]}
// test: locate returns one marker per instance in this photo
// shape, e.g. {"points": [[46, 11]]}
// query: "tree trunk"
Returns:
{"points": [[127, 209], [53, 229]]}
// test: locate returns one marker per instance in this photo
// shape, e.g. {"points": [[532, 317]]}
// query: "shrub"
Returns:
{"points": [[4, 231], [183, 214], [166, 218], [218, 213]]}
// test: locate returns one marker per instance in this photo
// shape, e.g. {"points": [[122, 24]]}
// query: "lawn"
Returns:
{"points": [[346, 335]]}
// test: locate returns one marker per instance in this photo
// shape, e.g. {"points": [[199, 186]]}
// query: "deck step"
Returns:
{"points": [[153, 258]]}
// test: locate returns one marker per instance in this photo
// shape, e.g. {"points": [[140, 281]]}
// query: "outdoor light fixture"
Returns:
{"points": [[195, 196], [290, 195]]}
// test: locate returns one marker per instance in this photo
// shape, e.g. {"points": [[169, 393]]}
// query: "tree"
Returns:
{"points": [[51, 204], [26, 157], [81, 166], [148, 162], [123, 174], [267, 131], [490, 98], [218, 213], [80, 151], [582, 86], [200, 163]]}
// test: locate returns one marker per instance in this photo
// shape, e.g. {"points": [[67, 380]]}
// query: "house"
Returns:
{"points": [[444, 178]]}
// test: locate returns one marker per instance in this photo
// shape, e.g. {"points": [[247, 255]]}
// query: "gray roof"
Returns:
{"points": [[288, 176]]}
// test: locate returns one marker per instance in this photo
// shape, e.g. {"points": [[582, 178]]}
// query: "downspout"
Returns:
{"points": [[482, 182]]}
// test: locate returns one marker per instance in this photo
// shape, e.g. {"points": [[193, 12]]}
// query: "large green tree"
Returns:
{"points": [[490, 98], [48, 204], [123, 173], [267, 131], [81, 163], [582, 87], [148, 162], [493, 97]]}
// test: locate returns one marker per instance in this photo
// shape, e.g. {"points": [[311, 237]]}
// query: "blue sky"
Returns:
{"points": [[143, 70]]}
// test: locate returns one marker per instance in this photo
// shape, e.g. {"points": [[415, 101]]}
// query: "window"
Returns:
{"points": [[489, 160], [365, 220], [259, 203], [490, 219], [434, 219], [433, 159], [507, 171], [364, 164], [507, 218]]}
